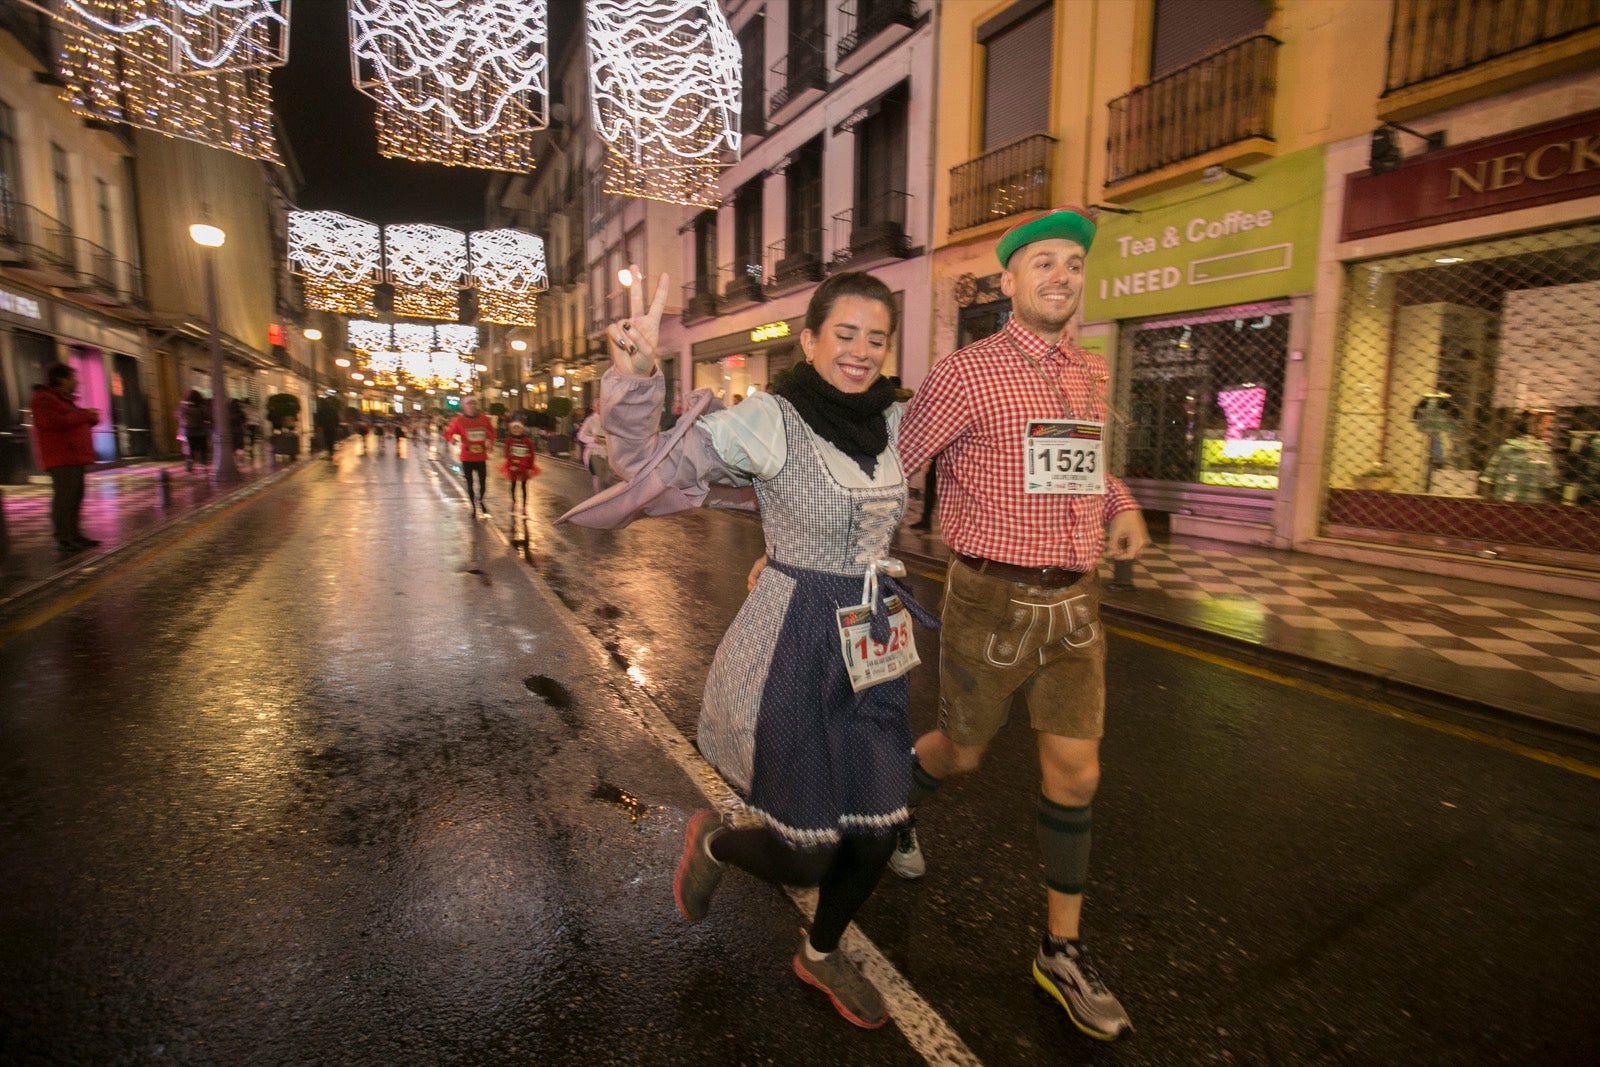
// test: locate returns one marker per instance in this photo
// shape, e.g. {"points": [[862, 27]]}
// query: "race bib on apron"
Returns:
{"points": [[520, 450], [1064, 456], [477, 436], [868, 661]]}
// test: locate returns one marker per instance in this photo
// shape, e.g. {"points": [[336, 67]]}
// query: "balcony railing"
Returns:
{"points": [[1214, 102], [873, 229], [801, 70], [1008, 181], [1431, 38], [797, 258], [862, 20], [746, 279], [699, 299], [41, 242]]}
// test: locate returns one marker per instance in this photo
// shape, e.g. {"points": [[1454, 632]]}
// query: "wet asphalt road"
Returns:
{"points": [[335, 779]]}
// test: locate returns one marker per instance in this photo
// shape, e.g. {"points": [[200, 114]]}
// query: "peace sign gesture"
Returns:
{"points": [[633, 340]]}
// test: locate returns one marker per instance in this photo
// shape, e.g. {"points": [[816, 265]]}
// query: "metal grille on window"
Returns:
{"points": [[1465, 413], [1205, 396]]}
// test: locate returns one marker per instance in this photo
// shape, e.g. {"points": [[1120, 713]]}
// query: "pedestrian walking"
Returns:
{"points": [[521, 462], [237, 421], [64, 441], [475, 432], [1027, 509], [592, 438], [194, 415], [805, 707], [363, 429]]}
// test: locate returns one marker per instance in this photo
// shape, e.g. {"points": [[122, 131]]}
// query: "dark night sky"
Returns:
{"points": [[331, 135]]}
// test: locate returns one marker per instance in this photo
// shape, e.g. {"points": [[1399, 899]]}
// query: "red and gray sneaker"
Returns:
{"points": [[852, 995], [698, 873], [1070, 978]]}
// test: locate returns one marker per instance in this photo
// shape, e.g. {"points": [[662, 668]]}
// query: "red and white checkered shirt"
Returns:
{"points": [[971, 412]]}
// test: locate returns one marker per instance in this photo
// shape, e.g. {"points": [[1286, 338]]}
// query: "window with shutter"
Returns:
{"points": [[1017, 73], [1185, 31]]}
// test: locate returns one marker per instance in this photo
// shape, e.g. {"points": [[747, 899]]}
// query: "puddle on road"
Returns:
{"points": [[549, 690], [617, 795]]}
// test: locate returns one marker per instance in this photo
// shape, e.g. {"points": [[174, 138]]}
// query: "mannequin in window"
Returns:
{"points": [[1437, 416], [1523, 469]]}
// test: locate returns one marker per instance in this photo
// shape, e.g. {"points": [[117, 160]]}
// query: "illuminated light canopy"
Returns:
{"points": [[413, 337], [509, 267], [183, 36], [456, 339], [427, 265], [455, 80], [365, 336], [230, 110], [339, 257], [664, 86]]}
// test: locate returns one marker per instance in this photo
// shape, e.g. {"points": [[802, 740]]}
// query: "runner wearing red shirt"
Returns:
{"points": [[521, 462], [1018, 422], [476, 434]]}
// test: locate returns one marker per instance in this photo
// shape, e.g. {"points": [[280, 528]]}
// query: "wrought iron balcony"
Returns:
{"points": [[1432, 38], [863, 22], [746, 280], [796, 259], [32, 240], [800, 76], [1008, 181], [699, 299], [872, 230], [1214, 102]]}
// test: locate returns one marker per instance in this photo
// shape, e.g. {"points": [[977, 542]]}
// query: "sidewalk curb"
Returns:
{"points": [[1434, 703], [97, 563]]}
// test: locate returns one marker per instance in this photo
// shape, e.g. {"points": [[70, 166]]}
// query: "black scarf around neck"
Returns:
{"points": [[851, 422]]}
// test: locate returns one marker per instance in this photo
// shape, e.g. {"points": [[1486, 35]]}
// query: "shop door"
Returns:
{"points": [[130, 411]]}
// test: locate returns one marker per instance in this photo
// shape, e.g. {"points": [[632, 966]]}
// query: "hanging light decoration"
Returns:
{"points": [[427, 265], [459, 82], [340, 258], [509, 267], [455, 339], [230, 110], [664, 86], [182, 36], [364, 335]]}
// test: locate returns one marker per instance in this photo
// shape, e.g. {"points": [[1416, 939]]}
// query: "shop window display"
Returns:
{"points": [[1206, 396], [1467, 398]]}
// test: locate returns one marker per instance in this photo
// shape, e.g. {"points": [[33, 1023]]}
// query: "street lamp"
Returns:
{"points": [[211, 237]]}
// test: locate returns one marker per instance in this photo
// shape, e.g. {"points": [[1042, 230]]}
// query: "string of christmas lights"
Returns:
{"points": [[230, 110], [456, 82], [427, 265], [664, 90], [509, 267], [182, 36], [340, 258]]}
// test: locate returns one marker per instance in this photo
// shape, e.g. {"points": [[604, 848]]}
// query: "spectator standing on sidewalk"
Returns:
{"points": [[592, 436], [65, 443], [1027, 510], [194, 415], [475, 431]]}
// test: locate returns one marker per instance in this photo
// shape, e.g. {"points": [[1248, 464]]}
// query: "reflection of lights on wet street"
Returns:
{"points": [[636, 674]]}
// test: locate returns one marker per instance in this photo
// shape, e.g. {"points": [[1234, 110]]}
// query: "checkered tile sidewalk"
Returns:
{"points": [[1485, 628], [1531, 654]]}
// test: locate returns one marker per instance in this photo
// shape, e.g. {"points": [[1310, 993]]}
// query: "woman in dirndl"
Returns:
{"points": [[805, 708]]}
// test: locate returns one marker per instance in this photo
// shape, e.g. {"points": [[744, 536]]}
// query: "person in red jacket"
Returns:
{"points": [[475, 431], [521, 462], [62, 438]]}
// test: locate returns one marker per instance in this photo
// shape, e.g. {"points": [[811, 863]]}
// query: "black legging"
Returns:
{"points": [[845, 874], [514, 484], [480, 468]]}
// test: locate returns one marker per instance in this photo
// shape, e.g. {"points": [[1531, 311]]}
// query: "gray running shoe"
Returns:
{"points": [[1070, 978], [906, 860], [853, 996], [698, 874]]}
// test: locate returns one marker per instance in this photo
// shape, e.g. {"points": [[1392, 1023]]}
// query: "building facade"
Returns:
{"points": [[71, 286], [837, 131]]}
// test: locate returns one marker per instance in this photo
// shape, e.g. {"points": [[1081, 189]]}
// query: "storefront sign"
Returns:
{"points": [[769, 332], [23, 307], [1194, 248], [1542, 164]]}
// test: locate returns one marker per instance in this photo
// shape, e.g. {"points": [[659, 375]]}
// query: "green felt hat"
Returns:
{"points": [[1072, 223]]}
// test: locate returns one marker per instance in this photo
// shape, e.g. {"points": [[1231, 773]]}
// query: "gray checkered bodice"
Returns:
{"points": [[812, 521]]}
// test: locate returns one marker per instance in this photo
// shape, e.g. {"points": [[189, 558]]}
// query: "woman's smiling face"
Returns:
{"points": [[850, 348]]}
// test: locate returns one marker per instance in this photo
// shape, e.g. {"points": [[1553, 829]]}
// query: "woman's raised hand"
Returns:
{"points": [[633, 340]]}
